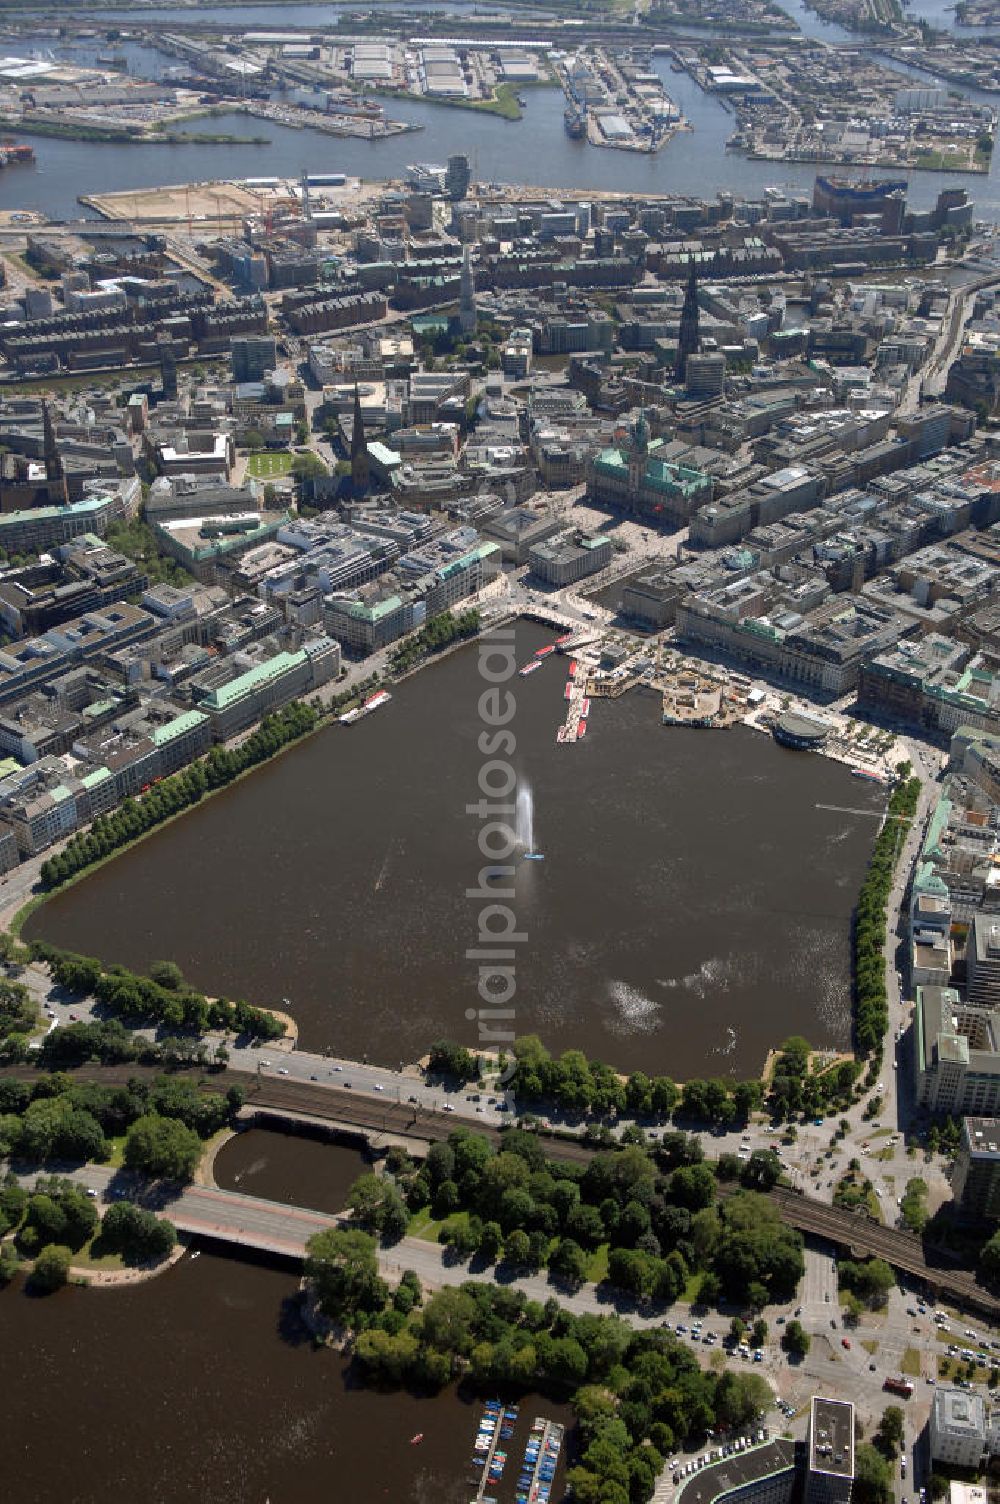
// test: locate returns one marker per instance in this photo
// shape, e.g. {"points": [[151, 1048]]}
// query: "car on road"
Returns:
{"points": [[378, 1086], [267, 1063], [313, 1078], [871, 1368], [335, 1069], [845, 1341], [91, 1193], [282, 1070], [413, 1099], [448, 1107]]}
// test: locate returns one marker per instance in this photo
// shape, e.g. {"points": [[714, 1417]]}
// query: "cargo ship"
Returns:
{"points": [[575, 122]]}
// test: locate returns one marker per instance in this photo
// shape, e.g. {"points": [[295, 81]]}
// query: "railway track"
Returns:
{"points": [[933, 1265], [903, 1250]]}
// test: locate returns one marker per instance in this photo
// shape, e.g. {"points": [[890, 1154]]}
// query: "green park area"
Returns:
{"points": [[268, 464]]}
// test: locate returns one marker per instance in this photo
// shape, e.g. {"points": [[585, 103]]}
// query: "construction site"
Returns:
{"points": [[224, 205]]}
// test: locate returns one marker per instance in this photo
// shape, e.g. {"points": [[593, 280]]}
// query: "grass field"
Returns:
{"points": [[268, 464]]}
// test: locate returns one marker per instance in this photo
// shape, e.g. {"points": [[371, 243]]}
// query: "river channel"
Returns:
{"points": [[203, 1386], [535, 150], [693, 907]]}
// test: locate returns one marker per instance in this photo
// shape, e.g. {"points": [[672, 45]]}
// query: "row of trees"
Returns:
{"points": [[578, 1085], [168, 1002], [134, 817], [440, 632], [637, 1395], [18, 1016], [871, 1003]]}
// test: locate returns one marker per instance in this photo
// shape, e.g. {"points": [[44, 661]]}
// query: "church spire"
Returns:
{"points": [[688, 341], [359, 449]]}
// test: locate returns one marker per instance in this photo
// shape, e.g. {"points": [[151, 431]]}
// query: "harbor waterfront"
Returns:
{"points": [[650, 945], [498, 147]]}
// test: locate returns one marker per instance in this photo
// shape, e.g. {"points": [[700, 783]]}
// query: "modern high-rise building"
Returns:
{"points": [[958, 1428], [705, 375], [975, 1181], [457, 176], [168, 367], [688, 341], [252, 355], [830, 1466], [467, 305]]}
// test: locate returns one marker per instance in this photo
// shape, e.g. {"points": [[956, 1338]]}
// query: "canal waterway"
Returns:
{"points": [[291, 1167], [693, 907], [203, 1385]]}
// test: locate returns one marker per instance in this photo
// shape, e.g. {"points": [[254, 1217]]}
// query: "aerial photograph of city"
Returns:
{"points": [[500, 752]]}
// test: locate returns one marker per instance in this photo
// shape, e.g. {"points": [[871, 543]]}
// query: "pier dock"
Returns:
{"points": [[541, 1457]]}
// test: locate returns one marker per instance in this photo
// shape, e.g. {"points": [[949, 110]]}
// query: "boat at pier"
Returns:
{"points": [[575, 122], [529, 668], [373, 702], [581, 730], [544, 652]]}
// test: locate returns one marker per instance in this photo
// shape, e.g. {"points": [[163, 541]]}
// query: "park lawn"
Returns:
{"points": [[951, 1368], [692, 1288], [910, 1362], [423, 1225], [116, 1157], [597, 1264], [86, 1258], [269, 464]]}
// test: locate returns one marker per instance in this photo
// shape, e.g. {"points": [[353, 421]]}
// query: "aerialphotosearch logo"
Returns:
{"points": [[497, 934]]}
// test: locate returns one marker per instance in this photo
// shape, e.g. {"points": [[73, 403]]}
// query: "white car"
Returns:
{"points": [[282, 1070], [378, 1086]]}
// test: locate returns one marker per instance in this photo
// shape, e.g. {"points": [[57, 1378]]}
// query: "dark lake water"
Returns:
{"points": [[290, 1167], [692, 909], [202, 1386]]}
